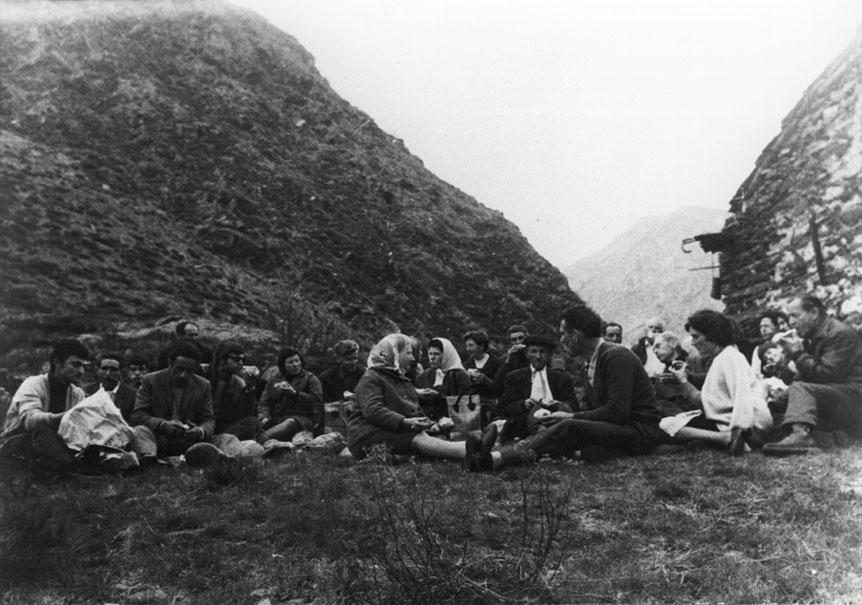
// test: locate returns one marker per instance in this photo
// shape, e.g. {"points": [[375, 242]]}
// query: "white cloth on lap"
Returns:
{"points": [[672, 424], [95, 421]]}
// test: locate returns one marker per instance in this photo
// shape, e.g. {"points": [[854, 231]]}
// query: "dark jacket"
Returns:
{"points": [[621, 392], [833, 354], [455, 382], [519, 384], [278, 404], [233, 401], [154, 402], [489, 370], [509, 364], [335, 382], [383, 399]]}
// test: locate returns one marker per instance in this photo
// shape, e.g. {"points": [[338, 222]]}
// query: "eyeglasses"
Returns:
{"points": [[109, 369], [236, 357]]}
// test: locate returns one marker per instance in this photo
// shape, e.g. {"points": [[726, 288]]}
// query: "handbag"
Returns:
{"points": [[465, 410], [335, 416]]}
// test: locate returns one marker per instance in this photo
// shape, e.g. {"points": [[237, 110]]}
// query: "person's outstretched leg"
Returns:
{"points": [[438, 448]]}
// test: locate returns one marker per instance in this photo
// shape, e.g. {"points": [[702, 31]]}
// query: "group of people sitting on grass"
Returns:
{"points": [[801, 390]]}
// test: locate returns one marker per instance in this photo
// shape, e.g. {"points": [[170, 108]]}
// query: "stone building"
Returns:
{"points": [[796, 222]]}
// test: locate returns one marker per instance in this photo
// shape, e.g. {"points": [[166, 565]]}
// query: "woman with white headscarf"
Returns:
{"points": [[388, 407], [445, 376]]}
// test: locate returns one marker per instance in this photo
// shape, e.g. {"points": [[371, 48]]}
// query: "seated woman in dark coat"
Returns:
{"points": [[287, 404], [388, 407], [446, 376]]}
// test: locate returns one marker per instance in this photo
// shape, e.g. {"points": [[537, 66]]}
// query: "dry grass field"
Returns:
{"points": [[691, 527]]}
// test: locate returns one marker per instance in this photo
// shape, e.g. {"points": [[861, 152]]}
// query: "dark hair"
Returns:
{"points": [[286, 352], [222, 350], [811, 303], [584, 319], [435, 342], [225, 348], [343, 348], [767, 346], [608, 325], [715, 327], [139, 360], [772, 315], [115, 356], [181, 327], [479, 337], [64, 349], [516, 328], [183, 349]]}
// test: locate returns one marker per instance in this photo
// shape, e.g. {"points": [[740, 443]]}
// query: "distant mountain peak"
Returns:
{"points": [[645, 273]]}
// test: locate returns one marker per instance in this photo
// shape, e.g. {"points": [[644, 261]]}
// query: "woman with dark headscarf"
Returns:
{"points": [[287, 403], [388, 407]]}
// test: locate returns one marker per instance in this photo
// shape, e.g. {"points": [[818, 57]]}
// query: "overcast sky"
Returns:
{"points": [[575, 118]]}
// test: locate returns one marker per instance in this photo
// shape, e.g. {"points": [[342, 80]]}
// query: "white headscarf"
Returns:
{"points": [[389, 352], [451, 360]]}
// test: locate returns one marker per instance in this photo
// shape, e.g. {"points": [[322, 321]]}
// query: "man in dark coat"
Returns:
{"points": [[516, 357], [175, 404], [827, 391], [535, 387], [623, 420], [339, 382]]}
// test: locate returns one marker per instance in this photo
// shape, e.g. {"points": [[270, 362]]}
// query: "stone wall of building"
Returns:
{"points": [[796, 222]]}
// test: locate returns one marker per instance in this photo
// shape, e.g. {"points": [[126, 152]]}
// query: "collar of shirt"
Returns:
{"points": [[540, 389], [591, 368]]}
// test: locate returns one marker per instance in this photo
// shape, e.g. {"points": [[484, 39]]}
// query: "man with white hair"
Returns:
{"points": [[643, 347]]}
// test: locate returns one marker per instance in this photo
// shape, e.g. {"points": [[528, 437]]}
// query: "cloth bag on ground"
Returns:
{"points": [[95, 421], [465, 410]]}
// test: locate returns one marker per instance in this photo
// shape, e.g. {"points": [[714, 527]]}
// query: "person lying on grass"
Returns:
{"points": [[731, 403], [388, 409]]}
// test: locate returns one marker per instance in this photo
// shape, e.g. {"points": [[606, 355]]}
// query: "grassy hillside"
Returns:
{"points": [[166, 159]]}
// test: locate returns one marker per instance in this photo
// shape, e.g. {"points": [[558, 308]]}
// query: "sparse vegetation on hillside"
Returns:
{"points": [[687, 528], [178, 158]]}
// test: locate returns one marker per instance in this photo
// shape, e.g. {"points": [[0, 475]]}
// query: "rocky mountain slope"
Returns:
{"points": [[166, 159], [644, 272]]}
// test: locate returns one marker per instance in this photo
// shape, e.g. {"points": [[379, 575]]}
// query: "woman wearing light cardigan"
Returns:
{"points": [[731, 405]]}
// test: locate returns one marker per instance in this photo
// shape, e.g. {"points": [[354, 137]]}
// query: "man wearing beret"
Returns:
{"points": [[533, 388], [622, 419]]}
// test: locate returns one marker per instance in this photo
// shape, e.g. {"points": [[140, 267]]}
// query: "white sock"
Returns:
{"points": [[496, 459]]}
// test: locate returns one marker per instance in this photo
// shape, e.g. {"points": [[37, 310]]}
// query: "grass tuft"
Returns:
{"points": [[314, 527]]}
